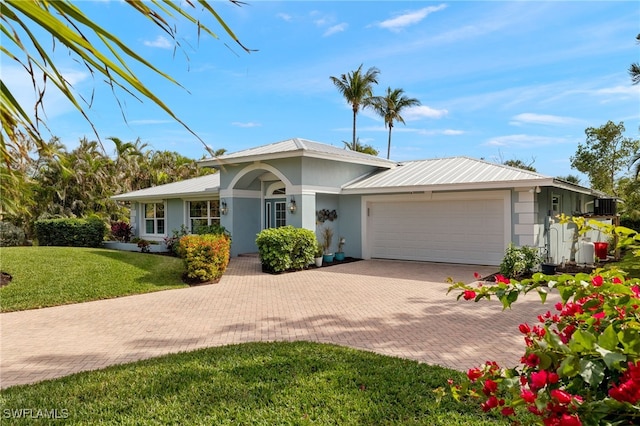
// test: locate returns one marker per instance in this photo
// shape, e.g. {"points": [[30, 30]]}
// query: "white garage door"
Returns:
{"points": [[453, 231]]}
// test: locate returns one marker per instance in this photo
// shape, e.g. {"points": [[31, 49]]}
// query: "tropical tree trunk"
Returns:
{"points": [[354, 145], [389, 142]]}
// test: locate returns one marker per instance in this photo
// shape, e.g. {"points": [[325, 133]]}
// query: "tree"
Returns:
{"points": [[604, 156], [389, 108], [570, 178], [92, 46], [634, 68], [634, 165], [519, 164], [365, 149], [357, 89]]}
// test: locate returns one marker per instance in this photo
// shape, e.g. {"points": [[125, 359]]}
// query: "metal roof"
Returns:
{"points": [[450, 172], [200, 186], [297, 147]]}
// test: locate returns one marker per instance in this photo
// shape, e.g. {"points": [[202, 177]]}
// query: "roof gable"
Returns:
{"points": [[297, 147]]}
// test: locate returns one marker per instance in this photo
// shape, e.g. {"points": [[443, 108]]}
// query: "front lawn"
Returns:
{"points": [[254, 384], [51, 276]]}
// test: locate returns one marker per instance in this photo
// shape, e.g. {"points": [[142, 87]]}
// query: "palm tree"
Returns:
{"points": [[357, 89], [389, 108], [634, 69], [360, 147]]}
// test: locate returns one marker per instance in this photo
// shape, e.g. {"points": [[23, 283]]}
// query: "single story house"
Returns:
{"points": [[457, 210]]}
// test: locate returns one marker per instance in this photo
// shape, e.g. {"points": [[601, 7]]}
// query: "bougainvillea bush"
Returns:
{"points": [[581, 364]]}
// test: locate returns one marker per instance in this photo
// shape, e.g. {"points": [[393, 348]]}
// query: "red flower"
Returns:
{"points": [[524, 328], [502, 279], [531, 360], [636, 290], [528, 396], [490, 387], [492, 402], [561, 396], [474, 374], [477, 276], [570, 420], [597, 281], [538, 380], [599, 315], [616, 280], [508, 411], [553, 378], [469, 294]]}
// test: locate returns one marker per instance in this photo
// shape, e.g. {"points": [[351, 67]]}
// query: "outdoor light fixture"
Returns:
{"points": [[292, 205], [223, 207]]}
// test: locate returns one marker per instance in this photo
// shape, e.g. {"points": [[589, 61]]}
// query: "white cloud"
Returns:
{"points": [[409, 18], [335, 29], [546, 119], [423, 111], [245, 125], [284, 17], [452, 132], [523, 141], [160, 42]]}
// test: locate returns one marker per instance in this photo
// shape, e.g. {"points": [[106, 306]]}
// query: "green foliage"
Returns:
{"points": [[630, 223], [214, 229], [581, 365], [605, 155], [52, 276], [205, 256], [71, 232], [282, 383], [286, 248], [11, 235], [518, 261], [172, 242]]}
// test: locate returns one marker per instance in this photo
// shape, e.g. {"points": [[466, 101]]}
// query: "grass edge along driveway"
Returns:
{"points": [[52, 276], [255, 383]]}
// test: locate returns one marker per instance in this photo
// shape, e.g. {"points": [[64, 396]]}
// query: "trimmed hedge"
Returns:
{"points": [[11, 235], [286, 248], [71, 232], [205, 256]]}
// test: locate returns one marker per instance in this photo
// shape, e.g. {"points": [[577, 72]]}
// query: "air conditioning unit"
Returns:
{"points": [[604, 206]]}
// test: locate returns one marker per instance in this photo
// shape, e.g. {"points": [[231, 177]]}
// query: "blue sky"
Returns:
{"points": [[497, 80]]}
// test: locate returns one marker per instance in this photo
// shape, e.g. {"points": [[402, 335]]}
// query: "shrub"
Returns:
{"points": [[11, 235], [121, 231], [205, 256], [212, 229], [286, 248], [70, 232], [172, 242], [581, 364], [519, 261]]}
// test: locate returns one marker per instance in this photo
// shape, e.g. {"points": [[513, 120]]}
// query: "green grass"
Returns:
{"points": [[51, 276], [254, 384]]}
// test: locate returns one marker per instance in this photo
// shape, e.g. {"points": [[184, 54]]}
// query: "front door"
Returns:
{"points": [[275, 212]]}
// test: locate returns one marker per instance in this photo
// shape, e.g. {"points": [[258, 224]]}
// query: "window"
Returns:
{"points": [[203, 213], [555, 204], [154, 218]]}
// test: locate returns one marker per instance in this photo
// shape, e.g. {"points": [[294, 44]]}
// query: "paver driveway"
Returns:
{"points": [[389, 307]]}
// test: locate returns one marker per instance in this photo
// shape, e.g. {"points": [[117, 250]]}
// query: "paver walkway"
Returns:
{"points": [[389, 307]]}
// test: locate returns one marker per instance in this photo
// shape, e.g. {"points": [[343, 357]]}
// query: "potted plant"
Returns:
{"points": [[318, 255], [327, 238], [340, 253]]}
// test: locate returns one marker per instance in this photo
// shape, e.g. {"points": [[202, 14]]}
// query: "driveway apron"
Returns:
{"points": [[389, 307]]}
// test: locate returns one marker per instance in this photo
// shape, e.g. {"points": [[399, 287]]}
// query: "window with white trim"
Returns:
{"points": [[154, 219], [203, 213]]}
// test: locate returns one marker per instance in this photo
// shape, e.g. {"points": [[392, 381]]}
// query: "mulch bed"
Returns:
{"points": [[569, 268], [5, 278]]}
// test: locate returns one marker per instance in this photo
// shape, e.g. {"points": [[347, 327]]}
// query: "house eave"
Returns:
{"points": [[463, 186], [153, 197]]}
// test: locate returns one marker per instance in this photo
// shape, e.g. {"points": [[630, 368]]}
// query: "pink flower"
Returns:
{"points": [[469, 294], [597, 281], [636, 290], [616, 280], [599, 315], [553, 378], [538, 380]]}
